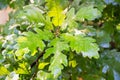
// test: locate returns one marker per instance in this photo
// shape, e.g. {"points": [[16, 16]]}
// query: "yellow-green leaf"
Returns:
{"points": [[3, 71], [42, 65], [19, 53], [57, 14], [22, 69], [73, 63], [31, 41]]}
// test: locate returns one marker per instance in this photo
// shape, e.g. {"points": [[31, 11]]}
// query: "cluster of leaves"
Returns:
{"points": [[61, 40]]}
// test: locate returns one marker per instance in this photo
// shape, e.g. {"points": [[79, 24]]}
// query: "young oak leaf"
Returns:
{"points": [[85, 45], [34, 40], [58, 15], [56, 12], [30, 41], [59, 59]]}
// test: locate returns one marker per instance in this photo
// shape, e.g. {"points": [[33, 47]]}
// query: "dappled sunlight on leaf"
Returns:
{"points": [[58, 15], [3, 71], [86, 45], [42, 65]]}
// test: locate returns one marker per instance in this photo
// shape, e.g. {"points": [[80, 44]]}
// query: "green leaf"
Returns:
{"points": [[19, 53], [48, 23], [59, 44], [44, 34], [88, 12], [48, 52], [31, 41], [85, 45], [59, 59], [70, 14], [35, 15], [70, 20]]}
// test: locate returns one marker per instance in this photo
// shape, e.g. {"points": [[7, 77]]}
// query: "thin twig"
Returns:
{"points": [[36, 61]]}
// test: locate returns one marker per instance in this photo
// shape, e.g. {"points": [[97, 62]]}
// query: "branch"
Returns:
{"points": [[36, 61]]}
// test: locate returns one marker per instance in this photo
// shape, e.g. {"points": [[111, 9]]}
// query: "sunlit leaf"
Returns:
{"points": [[58, 16], [85, 45], [42, 65], [19, 53], [72, 63], [22, 69], [31, 41], [56, 12], [3, 71], [48, 52]]}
